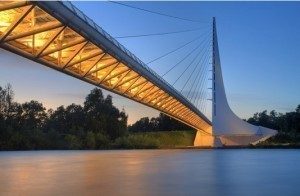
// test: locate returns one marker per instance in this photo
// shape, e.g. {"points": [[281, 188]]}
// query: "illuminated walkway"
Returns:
{"points": [[58, 35]]}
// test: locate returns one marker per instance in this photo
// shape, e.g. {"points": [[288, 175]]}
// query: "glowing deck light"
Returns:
{"points": [[26, 28]]}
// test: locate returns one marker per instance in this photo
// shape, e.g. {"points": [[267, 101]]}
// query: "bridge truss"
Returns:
{"points": [[58, 35]]}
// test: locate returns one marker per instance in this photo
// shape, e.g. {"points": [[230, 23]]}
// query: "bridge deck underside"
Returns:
{"points": [[29, 31]]}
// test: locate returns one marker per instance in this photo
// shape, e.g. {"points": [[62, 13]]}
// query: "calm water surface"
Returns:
{"points": [[151, 172]]}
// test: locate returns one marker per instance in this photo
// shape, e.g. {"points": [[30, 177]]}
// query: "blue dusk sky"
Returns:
{"points": [[258, 42]]}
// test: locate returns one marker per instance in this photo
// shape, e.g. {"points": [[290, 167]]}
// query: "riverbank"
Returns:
{"points": [[156, 140], [176, 140], [274, 146], [185, 140]]}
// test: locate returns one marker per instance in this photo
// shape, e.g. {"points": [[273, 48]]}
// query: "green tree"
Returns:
{"points": [[29, 126], [103, 117], [73, 142], [102, 140], [298, 109], [141, 125], [90, 140], [57, 120], [34, 115]]}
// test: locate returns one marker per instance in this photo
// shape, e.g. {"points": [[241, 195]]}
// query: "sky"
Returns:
{"points": [[258, 42]]}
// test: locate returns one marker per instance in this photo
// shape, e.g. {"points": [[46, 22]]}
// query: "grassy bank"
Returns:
{"points": [[155, 140]]}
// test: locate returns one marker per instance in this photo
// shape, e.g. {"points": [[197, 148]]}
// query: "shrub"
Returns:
{"points": [[136, 142], [73, 142]]}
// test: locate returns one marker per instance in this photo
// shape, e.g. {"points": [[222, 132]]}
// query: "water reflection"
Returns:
{"points": [[150, 172]]}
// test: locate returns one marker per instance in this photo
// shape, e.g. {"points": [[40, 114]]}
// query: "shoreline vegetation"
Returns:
{"points": [[98, 124]]}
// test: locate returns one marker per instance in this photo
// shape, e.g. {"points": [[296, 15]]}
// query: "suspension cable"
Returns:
{"points": [[174, 50], [157, 34], [196, 95], [197, 75], [157, 13], [202, 104], [198, 54], [201, 88], [193, 71], [185, 57], [187, 68]]}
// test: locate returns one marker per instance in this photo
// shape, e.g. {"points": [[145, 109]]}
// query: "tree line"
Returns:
{"points": [[160, 123], [288, 125], [98, 124], [30, 126]]}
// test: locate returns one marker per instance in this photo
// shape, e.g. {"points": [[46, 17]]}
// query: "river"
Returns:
{"points": [[151, 172]]}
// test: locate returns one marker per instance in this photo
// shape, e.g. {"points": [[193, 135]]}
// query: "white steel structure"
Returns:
{"points": [[228, 129]]}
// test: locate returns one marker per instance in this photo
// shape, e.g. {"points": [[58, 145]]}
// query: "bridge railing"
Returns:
{"points": [[79, 13]]}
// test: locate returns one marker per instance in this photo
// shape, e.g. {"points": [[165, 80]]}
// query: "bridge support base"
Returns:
{"points": [[205, 140], [211, 141]]}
